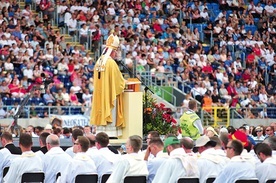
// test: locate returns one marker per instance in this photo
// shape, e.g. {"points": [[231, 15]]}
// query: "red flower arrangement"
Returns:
{"points": [[158, 118]]}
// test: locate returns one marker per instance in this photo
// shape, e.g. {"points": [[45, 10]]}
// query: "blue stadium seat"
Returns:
{"points": [[15, 100], [67, 86], [251, 28], [142, 16], [76, 110], [228, 13], [215, 6], [190, 26], [206, 48], [66, 110], [39, 111], [190, 4], [209, 6], [6, 100], [198, 26], [216, 12], [256, 20], [256, 1], [36, 100], [153, 9]]}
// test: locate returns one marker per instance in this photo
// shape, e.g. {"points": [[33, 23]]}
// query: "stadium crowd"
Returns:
{"points": [[224, 50]]}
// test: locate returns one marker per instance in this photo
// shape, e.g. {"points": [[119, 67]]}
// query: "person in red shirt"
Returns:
{"points": [[233, 93], [246, 75], [250, 59], [257, 50], [208, 69], [71, 67], [16, 90], [157, 27]]}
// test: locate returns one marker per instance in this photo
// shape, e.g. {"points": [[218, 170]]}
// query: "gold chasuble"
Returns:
{"points": [[109, 85]]}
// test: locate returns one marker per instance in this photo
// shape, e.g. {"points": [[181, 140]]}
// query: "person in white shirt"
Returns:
{"points": [[62, 67], [111, 9], [269, 9], [67, 16], [42, 143], [27, 13], [87, 98], [263, 97], [75, 134], [83, 34], [72, 25], [104, 159], [265, 170], [92, 149], [30, 130], [155, 148], [80, 164], [259, 9], [27, 162], [28, 72], [204, 14], [179, 164], [5, 156], [209, 158], [238, 167], [55, 160], [130, 164], [237, 65]]}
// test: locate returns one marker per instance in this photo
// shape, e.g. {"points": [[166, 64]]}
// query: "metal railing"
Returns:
{"points": [[147, 79], [46, 111]]}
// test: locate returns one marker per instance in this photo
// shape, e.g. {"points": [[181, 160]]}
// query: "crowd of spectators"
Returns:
{"points": [[223, 50]]}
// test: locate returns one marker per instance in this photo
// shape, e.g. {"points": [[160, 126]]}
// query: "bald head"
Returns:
{"points": [[187, 143], [52, 141]]}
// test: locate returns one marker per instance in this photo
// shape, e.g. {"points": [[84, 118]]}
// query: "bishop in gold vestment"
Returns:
{"points": [[109, 85]]}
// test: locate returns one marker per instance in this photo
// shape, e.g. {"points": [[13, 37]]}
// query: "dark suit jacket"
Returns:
{"points": [[13, 149], [113, 149], [44, 149]]}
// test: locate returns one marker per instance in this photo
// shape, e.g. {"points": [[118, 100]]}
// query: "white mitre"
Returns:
{"points": [[112, 43]]}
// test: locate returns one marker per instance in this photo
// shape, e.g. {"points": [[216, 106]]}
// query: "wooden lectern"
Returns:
{"points": [[133, 112]]}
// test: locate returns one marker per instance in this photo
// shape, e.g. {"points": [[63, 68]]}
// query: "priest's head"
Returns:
{"points": [[112, 44], [25, 142], [134, 144], [170, 144]]}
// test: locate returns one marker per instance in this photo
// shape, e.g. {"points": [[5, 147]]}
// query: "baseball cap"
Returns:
{"points": [[48, 127], [170, 141], [238, 135], [212, 129], [203, 140]]}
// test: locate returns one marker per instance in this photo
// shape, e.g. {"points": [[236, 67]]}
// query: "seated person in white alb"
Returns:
{"points": [[238, 167], [130, 164], [179, 164], [265, 170], [55, 160], [81, 163], [27, 162], [75, 134], [104, 158]]}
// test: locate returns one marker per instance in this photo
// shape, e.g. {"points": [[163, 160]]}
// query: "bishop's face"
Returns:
{"points": [[114, 54]]}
